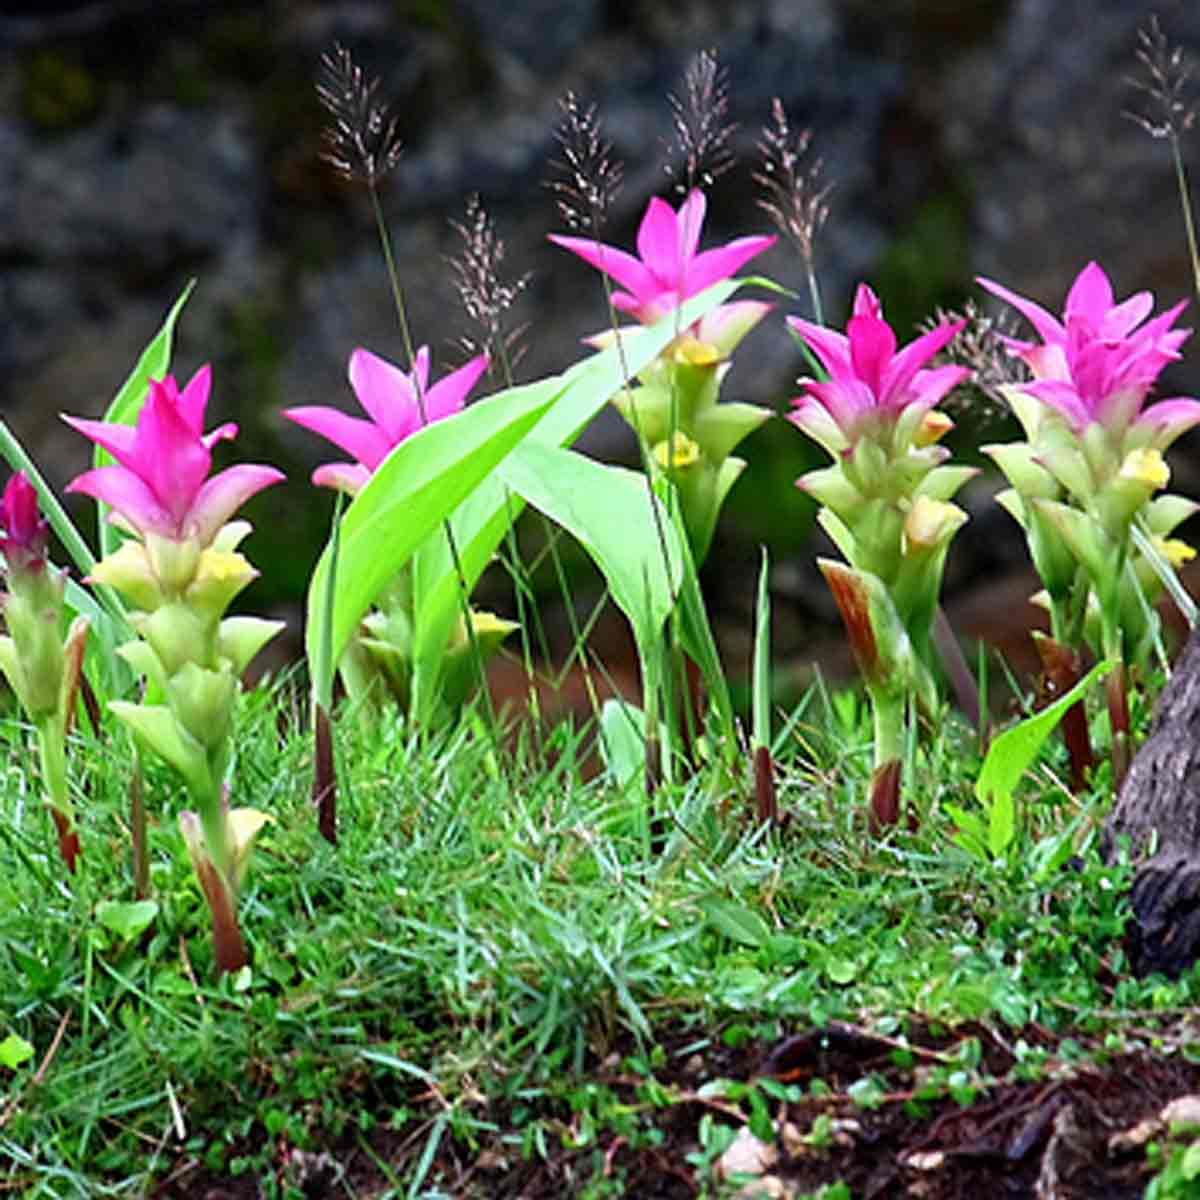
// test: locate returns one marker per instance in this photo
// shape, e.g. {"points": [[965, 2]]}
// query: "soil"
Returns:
{"points": [[1076, 1129]]}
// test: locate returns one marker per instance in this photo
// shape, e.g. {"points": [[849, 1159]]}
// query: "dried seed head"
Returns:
{"points": [[979, 345], [1169, 106], [699, 151], [794, 196], [588, 177], [362, 141], [482, 289]]}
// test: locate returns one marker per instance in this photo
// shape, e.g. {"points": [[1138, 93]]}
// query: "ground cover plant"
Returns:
{"points": [[861, 948]]}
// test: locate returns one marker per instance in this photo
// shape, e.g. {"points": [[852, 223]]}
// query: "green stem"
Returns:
{"points": [[889, 707], [137, 818], [1185, 201], [393, 275], [216, 830], [814, 293], [52, 752]]}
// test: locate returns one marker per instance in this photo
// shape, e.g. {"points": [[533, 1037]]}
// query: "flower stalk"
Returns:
{"points": [[41, 667], [179, 571], [1092, 469], [885, 503]]}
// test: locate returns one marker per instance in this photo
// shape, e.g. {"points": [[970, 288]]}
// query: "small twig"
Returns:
{"points": [[187, 970]]}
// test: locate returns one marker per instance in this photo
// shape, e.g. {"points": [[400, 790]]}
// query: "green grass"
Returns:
{"points": [[493, 930]]}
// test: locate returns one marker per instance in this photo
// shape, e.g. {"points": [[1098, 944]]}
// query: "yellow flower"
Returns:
{"points": [[1175, 550], [696, 353], [1146, 466], [677, 451]]}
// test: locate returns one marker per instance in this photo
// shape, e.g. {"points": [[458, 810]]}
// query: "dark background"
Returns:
{"points": [[145, 143]]}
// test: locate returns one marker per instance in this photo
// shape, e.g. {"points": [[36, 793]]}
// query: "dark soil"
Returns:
{"points": [[913, 1138]]}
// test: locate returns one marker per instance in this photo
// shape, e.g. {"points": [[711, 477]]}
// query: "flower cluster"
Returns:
{"points": [[398, 404], [1091, 468], [42, 668], [179, 571], [885, 502], [674, 407]]}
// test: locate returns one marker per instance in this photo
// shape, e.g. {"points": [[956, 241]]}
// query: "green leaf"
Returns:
{"points": [[1015, 749], [1189, 1166], [761, 685], [14, 1051], [155, 726], [696, 637], [124, 409], [841, 970], [1166, 573], [623, 740], [127, 920], [483, 519], [615, 517], [1002, 823], [414, 489], [736, 922]]}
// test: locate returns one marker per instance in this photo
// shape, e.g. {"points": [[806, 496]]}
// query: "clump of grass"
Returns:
{"points": [[473, 951]]}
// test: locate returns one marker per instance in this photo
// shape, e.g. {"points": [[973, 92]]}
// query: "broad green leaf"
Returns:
{"points": [[128, 920], [324, 664], [124, 409], [736, 922], [14, 1051], [623, 740], [1002, 823], [761, 686], [414, 489], [481, 523], [614, 516], [1011, 753], [478, 526]]}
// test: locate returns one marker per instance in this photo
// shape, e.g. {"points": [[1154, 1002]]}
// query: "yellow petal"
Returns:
{"points": [[243, 826], [930, 522], [934, 426]]}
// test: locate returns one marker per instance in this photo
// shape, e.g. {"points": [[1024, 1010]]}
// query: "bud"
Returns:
{"points": [[24, 532]]}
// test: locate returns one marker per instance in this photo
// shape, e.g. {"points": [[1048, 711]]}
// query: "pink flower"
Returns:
{"points": [[869, 382], [161, 485], [389, 397], [668, 270], [1098, 364], [24, 532]]}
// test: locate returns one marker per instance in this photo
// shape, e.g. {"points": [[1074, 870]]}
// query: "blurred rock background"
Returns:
{"points": [[144, 142]]}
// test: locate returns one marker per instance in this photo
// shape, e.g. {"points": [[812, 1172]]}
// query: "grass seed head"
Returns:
{"points": [[362, 141], [586, 176], [1166, 84], [699, 150]]}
